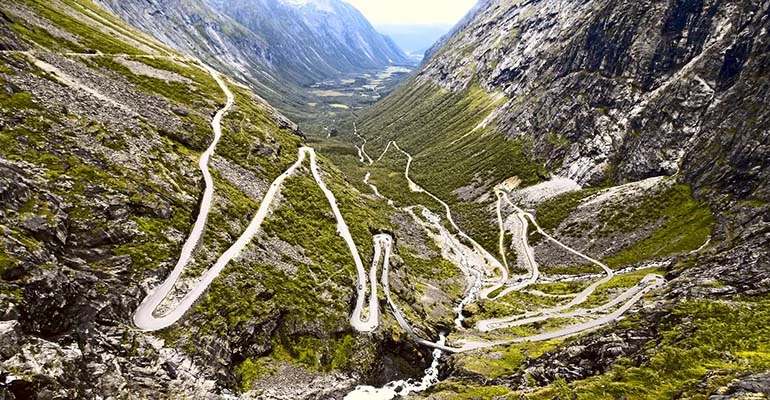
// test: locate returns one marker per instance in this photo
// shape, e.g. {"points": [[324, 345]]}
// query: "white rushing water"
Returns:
{"points": [[402, 387]]}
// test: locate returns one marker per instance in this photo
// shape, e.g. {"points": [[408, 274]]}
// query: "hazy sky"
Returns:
{"points": [[381, 12]]}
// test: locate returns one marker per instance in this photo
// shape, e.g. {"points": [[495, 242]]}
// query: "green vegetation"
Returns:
{"points": [[147, 251], [253, 140], [310, 301], [560, 288], [668, 201], [179, 92], [686, 224], [678, 223], [319, 292], [40, 36], [249, 371], [345, 157], [700, 336], [309, 352], [310, 222], [90, 37], [511, 304], [461, 391], [701, 345], [442, 130], [435, 269], [618, 283], [6, 261], [532, 328], [316, 354], [572, 269], [17, 101], [480, 221], [388, 176], [301, 220], [505, 360]]}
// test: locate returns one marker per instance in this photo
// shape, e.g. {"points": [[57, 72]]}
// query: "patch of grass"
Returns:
{"points": [[6, 261], [17, 101], [552, 212], [572, 269], [311, 353], [560, 287], [178, 92], [320, 291], [532, 328], [40, 36], [511, 304], [668, 202], [617, 283], [308, 221], [253, 140], [388, 177], [480, 222], [249, 371], [686, 225], [462, 391], [439, 128], [148, 250], [504, 361]]}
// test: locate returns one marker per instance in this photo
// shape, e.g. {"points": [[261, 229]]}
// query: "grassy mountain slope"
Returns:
{"points": [[101, 131]]}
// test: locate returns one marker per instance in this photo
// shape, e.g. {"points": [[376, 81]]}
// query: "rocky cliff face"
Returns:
{"points": [[276, 47], [599, 73], [195, 28], [622, 91]]}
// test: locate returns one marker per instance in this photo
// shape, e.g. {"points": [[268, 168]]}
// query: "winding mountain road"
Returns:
{"points": [[145, 318]]}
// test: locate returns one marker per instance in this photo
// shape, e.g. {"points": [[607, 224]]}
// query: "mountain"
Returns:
{"points": [[253, 41], [326, 37], [415, 40], [661, 105], [569, 199]]}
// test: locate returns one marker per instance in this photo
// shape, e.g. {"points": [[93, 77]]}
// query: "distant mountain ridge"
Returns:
{"points": [[325, 38]]}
